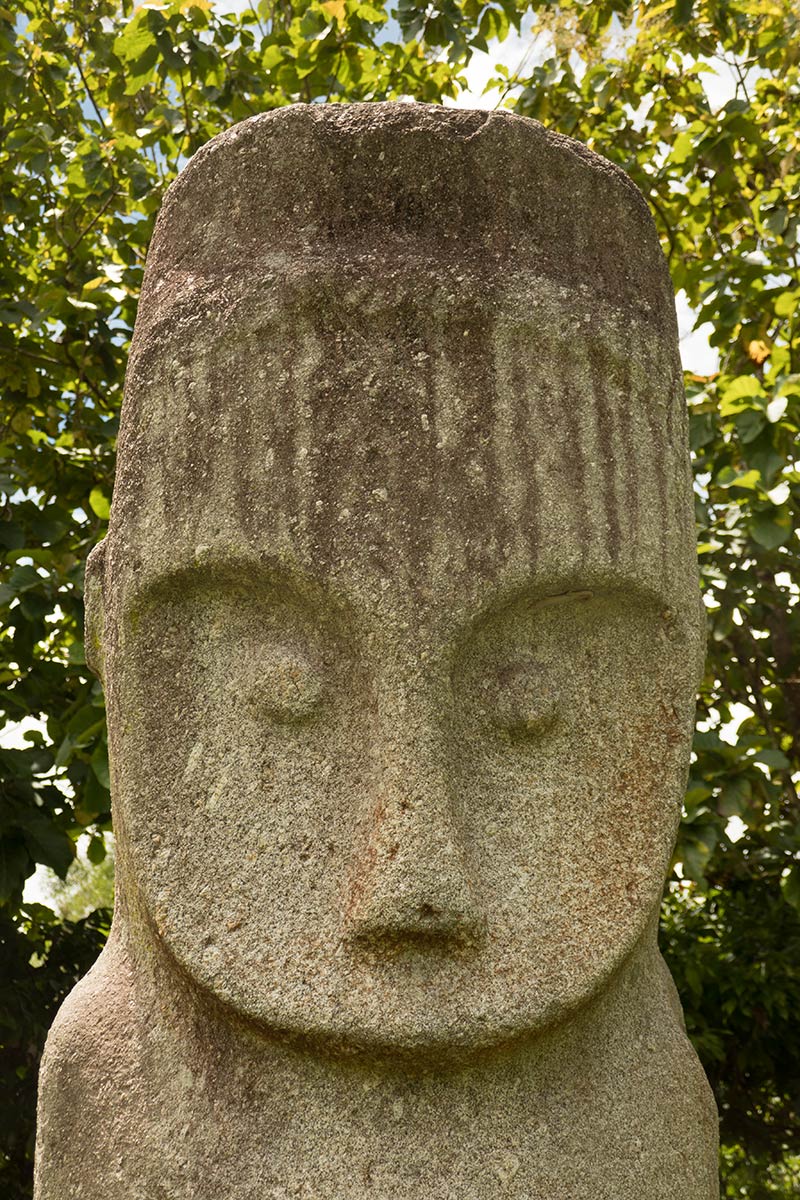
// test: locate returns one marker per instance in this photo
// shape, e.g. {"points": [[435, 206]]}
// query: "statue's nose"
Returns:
{"points": [[411, 883]]}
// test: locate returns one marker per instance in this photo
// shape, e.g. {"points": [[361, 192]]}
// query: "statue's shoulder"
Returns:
{"points": [[93, 1016], [88, 1068]]}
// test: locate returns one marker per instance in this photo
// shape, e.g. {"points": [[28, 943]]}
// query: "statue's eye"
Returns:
{"points": [[282, 685], [518, 702]]}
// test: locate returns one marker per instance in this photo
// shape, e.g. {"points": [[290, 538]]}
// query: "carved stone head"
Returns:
{"points": [[398, 612]]}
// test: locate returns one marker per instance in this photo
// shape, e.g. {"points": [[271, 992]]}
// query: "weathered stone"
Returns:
{"points": [[399, 623]]}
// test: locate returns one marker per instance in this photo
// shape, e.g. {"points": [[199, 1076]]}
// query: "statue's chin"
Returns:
{"points": [[453, 1031], [441, 1004]]}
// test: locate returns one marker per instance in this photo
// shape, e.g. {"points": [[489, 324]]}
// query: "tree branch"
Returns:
{"points": [[90, 94], [93, 222]]}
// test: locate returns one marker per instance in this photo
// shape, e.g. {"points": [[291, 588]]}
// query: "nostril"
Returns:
{"points": [[427, 935], [423, 926]]}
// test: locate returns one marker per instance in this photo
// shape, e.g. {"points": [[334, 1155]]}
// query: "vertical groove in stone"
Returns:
{"points": [[630, 401], [515, 401], [567, 370], [664, 466], [655, 439], [524, 450], [600, 450]]}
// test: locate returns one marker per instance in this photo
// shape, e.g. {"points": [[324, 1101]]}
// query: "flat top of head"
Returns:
{"points": [[489, 190]]}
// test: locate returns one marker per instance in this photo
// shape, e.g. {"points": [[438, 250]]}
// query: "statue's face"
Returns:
{"points": [[374, 797]]}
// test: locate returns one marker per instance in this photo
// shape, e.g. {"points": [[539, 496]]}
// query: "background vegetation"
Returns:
{"points": [[100, 105]]}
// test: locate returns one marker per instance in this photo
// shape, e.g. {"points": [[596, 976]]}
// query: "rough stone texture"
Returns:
{"points": [[399, 623]]}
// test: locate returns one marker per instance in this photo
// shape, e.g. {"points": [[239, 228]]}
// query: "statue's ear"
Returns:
{"points": [[94, 608]]}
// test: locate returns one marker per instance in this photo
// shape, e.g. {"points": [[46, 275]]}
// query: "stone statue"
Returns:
{"points": [[399, 623]]}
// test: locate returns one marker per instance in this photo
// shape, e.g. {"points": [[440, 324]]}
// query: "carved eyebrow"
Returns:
{"points": [[190, 574], [532, 597], [295, 585]]}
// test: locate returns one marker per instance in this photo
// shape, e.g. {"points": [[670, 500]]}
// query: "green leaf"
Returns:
{"points": [[96, 851], [769, 533], [99, 764], [749, 425], [76, 653], [682, 149], [786, 303], [95, 799], [790, 887], [776, 221], [272, 57], [734, 797], [702, 430], [137, 39], [748, 480], [695, 855], [99, 503], [743, 387], [46, 842], [776, 760], [141, 71], [14, 861], [12, 535], [22, 579]]}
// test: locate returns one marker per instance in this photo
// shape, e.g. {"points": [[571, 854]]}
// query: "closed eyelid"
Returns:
{"points": [[520, 691], [282, 682]]}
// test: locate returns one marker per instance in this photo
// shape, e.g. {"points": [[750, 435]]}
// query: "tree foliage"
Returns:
{"points": [[41, 960], [102, 104]]}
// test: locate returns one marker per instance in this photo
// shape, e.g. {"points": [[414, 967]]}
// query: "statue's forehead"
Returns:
{"points": [[475, 433]]}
